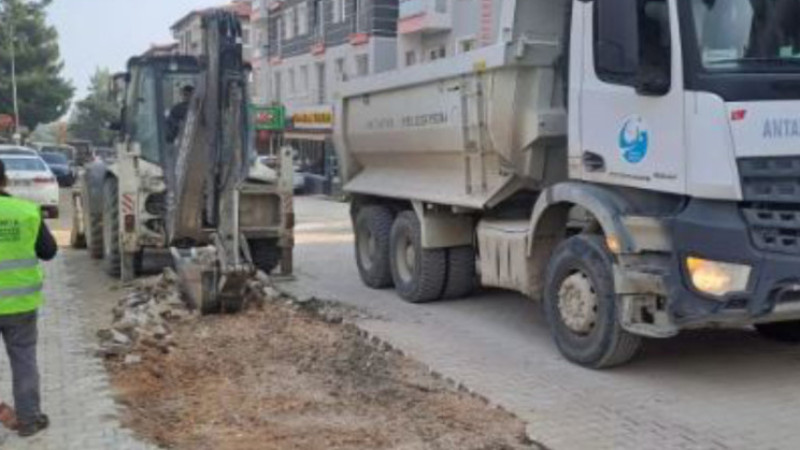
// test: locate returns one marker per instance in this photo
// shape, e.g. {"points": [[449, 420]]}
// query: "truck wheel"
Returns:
{"points": [[781, 331], [266, 254], [373, 229], [581, 308], [461, 275], [419, 274], [110, 228]]}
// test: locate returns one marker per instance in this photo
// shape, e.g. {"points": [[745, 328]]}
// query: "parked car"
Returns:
{"points": [[68, 151], [30, 178], [61, 167], [266, 165]]}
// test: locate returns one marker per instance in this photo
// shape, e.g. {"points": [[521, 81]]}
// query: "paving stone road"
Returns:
{"points": [[724, 389]]}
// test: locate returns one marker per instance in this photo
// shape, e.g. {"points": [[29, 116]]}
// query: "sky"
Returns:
{"points": [[105, 33]]}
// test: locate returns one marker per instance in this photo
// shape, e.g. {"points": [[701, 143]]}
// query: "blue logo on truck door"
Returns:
{"points": [[634, 139]]}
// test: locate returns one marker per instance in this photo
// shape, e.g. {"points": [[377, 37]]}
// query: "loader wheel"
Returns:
{"points": [[581, 307], [419, 274], [94, 233], [373, 229], [266, 254], [461, 275], [110, 227], [788, 332], [77, 239]]}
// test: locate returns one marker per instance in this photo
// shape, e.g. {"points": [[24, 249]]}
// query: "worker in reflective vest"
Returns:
{"points": [[24, 240]]}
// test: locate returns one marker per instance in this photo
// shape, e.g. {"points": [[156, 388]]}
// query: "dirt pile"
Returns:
{"points": [[145, 318], [295, 376]]}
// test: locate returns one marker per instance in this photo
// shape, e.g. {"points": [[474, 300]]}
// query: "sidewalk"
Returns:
{"points": [[75, 389]]}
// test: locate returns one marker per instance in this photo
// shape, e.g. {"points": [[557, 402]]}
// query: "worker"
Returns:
{"points": [[178, 113], [24, 240]]}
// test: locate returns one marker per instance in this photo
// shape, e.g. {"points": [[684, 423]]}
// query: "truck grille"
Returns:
{"points": [[771, 208]]}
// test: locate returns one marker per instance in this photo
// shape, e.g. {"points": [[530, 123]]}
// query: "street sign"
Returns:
{"points": [[269, 118]]}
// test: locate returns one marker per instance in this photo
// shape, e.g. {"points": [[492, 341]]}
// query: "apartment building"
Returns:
{"points": [[188, 31], [430, 30], [313, 46]]}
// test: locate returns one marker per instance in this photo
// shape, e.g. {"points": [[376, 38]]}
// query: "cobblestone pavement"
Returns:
{"points": [[76, 393], [724, 389]]}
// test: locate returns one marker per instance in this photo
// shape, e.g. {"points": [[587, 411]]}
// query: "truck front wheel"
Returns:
{"points": [[781, 331], [419, 274], [266, 254], [581, 308], [373, 229]]}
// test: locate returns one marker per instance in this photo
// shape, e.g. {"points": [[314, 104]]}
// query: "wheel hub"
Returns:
{"points": [[577, 303], [406, 259], [367, 247]]}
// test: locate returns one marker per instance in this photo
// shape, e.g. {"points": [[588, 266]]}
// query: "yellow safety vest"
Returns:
{"points": [[21, 276]]}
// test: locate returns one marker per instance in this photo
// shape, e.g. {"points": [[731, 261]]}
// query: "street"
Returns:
{"points": [[703, 390]]}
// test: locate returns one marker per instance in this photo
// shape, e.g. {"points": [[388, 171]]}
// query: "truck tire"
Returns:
{"points": [[581, 306], [461, 274], [419, 274], [781, 331], [110, 227], [266, 254], [373, 229], [94, 234]]}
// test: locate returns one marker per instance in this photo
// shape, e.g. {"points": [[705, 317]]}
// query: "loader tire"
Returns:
{"points": [[419, 274], [94, 234], [266, 254], [110, 226], [461, 278], [373, 229], [788, 332], [580, 304], [77, 239]]}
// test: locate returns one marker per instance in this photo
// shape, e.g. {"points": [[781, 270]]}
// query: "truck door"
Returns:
{"points": [[631, 95]]}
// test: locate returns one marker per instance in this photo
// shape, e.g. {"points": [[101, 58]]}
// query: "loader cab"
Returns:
{"points": [[154, 86], [671, 95]]}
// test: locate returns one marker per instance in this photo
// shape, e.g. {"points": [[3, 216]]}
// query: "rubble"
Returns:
{"points": [[145, 317]]}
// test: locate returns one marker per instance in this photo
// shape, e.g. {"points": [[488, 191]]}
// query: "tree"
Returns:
{"points": [[92, 115], [43, 94]]}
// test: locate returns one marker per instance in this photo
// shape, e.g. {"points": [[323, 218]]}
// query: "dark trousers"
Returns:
{"points": [[20, 334]]}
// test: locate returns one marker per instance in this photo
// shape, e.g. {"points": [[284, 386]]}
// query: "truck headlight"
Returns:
{"points": [[717, 278]]}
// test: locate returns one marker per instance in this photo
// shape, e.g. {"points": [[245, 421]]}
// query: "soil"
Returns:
{"points": [[288, 377]]}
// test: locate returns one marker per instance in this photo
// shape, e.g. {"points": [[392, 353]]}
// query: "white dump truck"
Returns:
{"points": [[634, 164]]}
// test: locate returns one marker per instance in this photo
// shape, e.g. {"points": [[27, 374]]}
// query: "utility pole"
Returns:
{"points": [[12, 38]]}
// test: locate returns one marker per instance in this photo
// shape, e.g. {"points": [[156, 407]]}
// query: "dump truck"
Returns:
{"points": [[201, 188], [634, 165]]}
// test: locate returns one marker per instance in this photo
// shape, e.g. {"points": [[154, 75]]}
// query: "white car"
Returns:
{"points": [[29, 178]]}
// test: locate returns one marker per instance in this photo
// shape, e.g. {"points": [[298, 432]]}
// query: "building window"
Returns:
{"points": [[341, 70], [362, 65], [302, 19], [277, 87], [319, 19], [291, 23], [336, 5], [411, 58], [438, 53], [304, 79], [292, 82], [467, 45], [245, 36], [321, 91]]}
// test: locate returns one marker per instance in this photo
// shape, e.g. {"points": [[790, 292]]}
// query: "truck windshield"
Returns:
{"points": [[748, 35]]}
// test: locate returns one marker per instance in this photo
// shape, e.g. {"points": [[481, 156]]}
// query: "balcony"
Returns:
{"points": [[424, 16]]}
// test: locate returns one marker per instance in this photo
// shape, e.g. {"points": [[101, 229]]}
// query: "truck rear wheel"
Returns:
{"points": [[419, 274], [110, 228], [781, 331], [266, 254], [461, 274], [94, 234], [581, 307], [373, 229]]}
